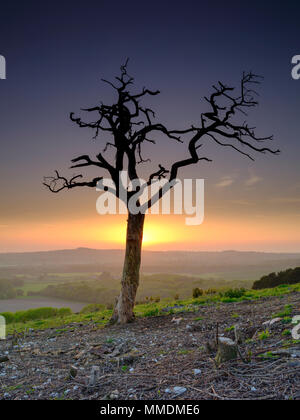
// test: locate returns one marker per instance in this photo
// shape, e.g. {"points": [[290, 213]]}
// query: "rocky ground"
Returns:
{"points": [[166, 357]]}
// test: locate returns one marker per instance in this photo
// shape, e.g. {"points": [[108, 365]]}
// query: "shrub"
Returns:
{"points": [[152, 312], [234, 293], [197, 293], [9, 317], [211, 291], [93, 307], [148, 300], [62, 312], [35, 314]]}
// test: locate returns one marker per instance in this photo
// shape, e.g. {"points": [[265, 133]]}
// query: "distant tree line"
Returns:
{"points": [[8, 288], [290, 276], [78, 292]]}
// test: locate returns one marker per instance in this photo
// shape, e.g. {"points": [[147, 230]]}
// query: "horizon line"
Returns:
{"points": [[148, 250]]}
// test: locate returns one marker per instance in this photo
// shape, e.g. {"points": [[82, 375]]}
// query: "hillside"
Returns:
{"points": [[170, 356], [225, 263]]}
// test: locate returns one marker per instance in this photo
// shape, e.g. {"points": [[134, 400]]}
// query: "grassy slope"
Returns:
{"points": [[150, 309]]}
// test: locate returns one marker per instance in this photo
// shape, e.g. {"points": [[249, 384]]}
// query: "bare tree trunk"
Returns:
{"points": [[123, 312]]}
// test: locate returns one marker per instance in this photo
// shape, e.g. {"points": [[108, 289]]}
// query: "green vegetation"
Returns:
{"points": [[93, 307], [287, 277], [152, 312], [197, 292], [8, 288], [211, 291], [35, 314], [285, 313], [287, 320], [151, 299], [290, 343], [229, 329], [184, 352], [234, 293], [58, 318], [268, 355], [224, 295], [264, 335], [80, 291], [104, 287]]}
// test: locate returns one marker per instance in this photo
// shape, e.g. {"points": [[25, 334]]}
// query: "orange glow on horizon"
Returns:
{"points": [[158, 233], [155, 233], [161, 233]]}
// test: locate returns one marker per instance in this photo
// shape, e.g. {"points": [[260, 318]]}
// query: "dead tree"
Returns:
{"points": [[129, 125]]}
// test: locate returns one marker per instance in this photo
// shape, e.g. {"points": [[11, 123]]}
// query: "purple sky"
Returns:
{"points": [[58, 51]]}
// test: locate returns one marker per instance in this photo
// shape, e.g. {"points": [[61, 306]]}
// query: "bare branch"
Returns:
{"points": [[158, 174], [229, 145], [58, 183], [130, 125], [88, 162], [193, 147]]}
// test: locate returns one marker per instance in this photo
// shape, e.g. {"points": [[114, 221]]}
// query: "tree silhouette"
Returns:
{"points": [[129, 125]]}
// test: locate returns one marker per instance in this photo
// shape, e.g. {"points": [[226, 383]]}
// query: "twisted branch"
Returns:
{"points": [[130, 124]]}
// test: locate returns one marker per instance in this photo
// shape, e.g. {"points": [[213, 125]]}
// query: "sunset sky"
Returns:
{"points": [[56, 54]]}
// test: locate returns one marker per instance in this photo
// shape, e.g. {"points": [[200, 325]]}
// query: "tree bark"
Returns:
{"points": [[123, 311]]}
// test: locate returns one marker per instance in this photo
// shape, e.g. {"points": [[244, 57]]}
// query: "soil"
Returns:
{"points": [[161, 358]]}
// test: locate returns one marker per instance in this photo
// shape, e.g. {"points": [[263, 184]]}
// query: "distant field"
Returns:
{"points": [[14, 305], [69, 289], [34, 287], [94, 287], [243, 275], [93, 276]]}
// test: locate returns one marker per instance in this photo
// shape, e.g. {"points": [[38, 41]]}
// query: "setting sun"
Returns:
{"points": [[158, 233], [158, 230]]}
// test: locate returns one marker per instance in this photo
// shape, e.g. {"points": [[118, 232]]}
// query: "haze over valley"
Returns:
{"points": [[76, 277]]}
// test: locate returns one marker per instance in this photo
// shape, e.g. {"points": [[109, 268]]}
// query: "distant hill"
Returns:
{"points": [[234, 263]]}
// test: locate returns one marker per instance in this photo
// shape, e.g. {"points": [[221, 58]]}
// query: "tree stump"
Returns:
{"points": [[94, 377], [227, 350]]}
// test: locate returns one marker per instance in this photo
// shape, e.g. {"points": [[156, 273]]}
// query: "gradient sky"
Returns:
{"points": [[56, 54]]}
